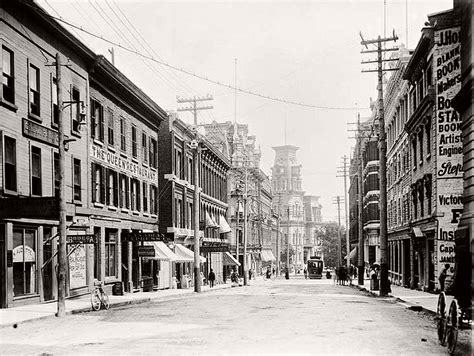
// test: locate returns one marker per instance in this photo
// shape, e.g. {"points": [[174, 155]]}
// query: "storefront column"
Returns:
{"points": [[400, 265], [130, 266], [9, 244], [54, 262], [426, 279], [412, 265], [101, 272], [118, 260], [39, 263]]}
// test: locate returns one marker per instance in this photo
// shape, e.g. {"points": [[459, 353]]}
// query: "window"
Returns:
{"points": [[123, 132], [97, 120], [134, 142], [10, 164], [112, 188], [54, 102], [190, 170], [98, 184], [24, 261], [76, 179], [420, 138], [135, 195], [56, 174], [35, 171], [422, 202], [110, 252], [34, 90], [428, 139], [414, 153], [124, 197], [76, 119], [153, 153], [145, 197], [8, 76], [144, 147], [178, 163], [110, 127], [153, 200]]}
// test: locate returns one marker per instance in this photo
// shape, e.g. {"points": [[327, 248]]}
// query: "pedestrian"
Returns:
{"points": [[442, 276], [211, 278], [305, 273], [250, 274], [269, 273]]}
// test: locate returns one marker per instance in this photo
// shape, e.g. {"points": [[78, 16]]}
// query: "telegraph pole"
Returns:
{"points": [[237, 233], [345, 174], [361, 259], [339, 245], [384, 283], [287, 273], [245, 267], [197, 257], [62, 253], [194, 108], [278, 243]]}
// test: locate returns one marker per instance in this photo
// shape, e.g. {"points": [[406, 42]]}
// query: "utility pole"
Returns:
{"points": [[194, 108], [197, 203], [345, 174], [237, 232], [384, 283], [62, 253], [287, 273], [278, 243], [339, 244], [245, 267], [360, 196]]}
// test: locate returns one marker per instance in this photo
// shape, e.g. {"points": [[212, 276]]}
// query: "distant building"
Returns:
{"points": [[313, 219]]}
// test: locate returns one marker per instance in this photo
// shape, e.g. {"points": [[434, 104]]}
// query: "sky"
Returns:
{"points": [[305, 52]]}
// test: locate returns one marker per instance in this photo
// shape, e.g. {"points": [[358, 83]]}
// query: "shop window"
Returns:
{"points": [[153, 153], [36, 185], [153, 200], [56, 174], [124, 195], [144, 147], [134, 142], [54, 102], [123, 133], [77, 179], [24, 261], [8, 93], [97, 120], [10, 164], [112, 188], [110, 127], [110, 252], [34, 90], [76, 109], [145, 197]]}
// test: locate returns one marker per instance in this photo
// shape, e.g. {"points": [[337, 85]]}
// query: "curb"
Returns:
{"points": [[113, 305]]}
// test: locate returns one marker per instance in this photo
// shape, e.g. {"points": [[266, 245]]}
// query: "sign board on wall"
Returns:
{"points": [[449, 173], [77, 267], [146, 251]]}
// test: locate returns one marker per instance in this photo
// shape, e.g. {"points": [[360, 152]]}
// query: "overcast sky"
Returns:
{"points": [[300, 51]]}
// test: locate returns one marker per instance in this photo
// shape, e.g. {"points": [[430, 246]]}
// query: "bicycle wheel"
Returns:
{"points": [[441, 318], [452, 327], [105, 300], [95, 300]]}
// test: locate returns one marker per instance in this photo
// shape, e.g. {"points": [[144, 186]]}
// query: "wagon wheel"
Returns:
{"points": [[452, 325], [441, 318]]}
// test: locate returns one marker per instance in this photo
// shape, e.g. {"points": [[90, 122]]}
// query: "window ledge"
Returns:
{"points": [[135, 160], [36, 118], [98, 205], [154, 216], [77, 202], [76, 134], [8, 105], [113, 208], [111, 149], [97, 142], [146, 215], [428, 156], [123, 154], [145, 164], [135, 212], [153, 168], [124, 210]]}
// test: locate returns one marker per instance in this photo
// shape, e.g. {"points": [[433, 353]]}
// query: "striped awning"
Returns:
{"points": [[229, 260], [185, 255], [224, 226], [267, 256], [162, 251]]}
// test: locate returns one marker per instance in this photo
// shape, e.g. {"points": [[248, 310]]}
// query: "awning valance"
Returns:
{"points": [[267, 256], [224, 225], [229, 260], [162, 252], [185, 255]]}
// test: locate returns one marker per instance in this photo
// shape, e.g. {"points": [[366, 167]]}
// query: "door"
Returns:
{"points": [[125, 265], [3, 268], [48, 274]]}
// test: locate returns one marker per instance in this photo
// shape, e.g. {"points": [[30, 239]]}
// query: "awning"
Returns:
{"points": [[209, 221], [162, 252], [352, 254], [185, 255], [224, 225], [417, 232], [229, 260], [267, 256]]}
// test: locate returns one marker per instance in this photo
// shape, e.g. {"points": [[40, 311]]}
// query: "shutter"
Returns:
{"points": [[138, 207], [107, 186], [94, 197], [101, 123], [103, 179], [127, 193], [116, 182]]}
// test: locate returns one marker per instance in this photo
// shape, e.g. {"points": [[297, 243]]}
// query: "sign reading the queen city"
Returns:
{"points": [[449, 173]]}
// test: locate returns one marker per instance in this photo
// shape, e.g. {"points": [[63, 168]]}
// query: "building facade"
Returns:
{"points": [[312, 245]]}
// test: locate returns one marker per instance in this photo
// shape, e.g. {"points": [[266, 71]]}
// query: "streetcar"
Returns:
{"points": [[315, 266]]}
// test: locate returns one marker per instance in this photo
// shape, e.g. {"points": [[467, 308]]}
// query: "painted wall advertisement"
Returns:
{"points": [[77, 266], [449, 173]]}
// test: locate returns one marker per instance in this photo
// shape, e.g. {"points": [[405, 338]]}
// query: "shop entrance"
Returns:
{"points": [[48, 268], [3, 268], [24, 261], [125, 266]]}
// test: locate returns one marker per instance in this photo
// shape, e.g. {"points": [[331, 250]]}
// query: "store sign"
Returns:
{"points": [[146, 251], [40, 133], [23, 254], [449, 172], [123, 164], [136, 236], [81, 239], [77, 267], [30, 207]]}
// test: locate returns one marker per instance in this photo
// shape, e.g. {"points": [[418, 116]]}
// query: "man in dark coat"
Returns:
{"points": [[211, 278]]}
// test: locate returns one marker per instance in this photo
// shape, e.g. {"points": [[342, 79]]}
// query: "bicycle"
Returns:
{"points": [[99, 297]]}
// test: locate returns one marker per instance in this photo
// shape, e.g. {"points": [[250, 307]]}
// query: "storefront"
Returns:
{"points": [[160, 266]]}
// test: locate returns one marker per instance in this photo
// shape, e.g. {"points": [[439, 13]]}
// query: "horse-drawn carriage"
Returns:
{"points": [[459, 315]]}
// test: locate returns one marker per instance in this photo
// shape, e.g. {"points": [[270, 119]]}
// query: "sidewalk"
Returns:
{"points": [[412, 299], [16, 315]]}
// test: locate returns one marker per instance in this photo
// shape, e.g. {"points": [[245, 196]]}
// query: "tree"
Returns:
{"points": [[328, 235]]}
